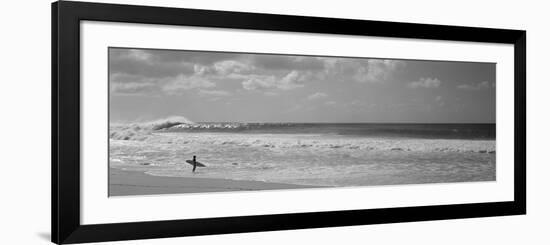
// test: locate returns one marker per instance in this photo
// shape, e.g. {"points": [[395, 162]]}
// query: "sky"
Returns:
{"points": [[202, 86]]}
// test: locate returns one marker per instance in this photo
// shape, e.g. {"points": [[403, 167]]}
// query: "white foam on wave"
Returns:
{"points": [[143, 130], [281, 142], [308, 159]]}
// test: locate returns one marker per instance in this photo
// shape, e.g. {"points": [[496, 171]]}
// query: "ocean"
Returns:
{"points": [[319, 154]]}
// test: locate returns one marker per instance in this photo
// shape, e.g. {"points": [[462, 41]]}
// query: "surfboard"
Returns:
{"points": [[198, 163]]}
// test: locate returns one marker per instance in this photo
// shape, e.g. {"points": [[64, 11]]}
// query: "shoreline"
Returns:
{"points": [[127, 183]]}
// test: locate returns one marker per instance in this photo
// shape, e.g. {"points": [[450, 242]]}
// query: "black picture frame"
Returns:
{"points": [[65, 167]]}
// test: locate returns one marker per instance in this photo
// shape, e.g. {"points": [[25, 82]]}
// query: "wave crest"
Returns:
{"points": [[168, 122], [142, 130]]}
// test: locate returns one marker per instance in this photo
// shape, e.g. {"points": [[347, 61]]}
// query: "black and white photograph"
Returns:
{"points": [[275, 122], [197, 121]]}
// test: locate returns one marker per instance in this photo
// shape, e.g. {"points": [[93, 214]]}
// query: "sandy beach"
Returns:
{"points": [[125, 183]]}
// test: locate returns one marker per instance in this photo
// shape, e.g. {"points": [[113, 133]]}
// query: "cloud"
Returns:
{"points": [[318, 95], [128, 78], [222, 69], [125, 84], [292, 80], [214, 93], [379, 70], [230, 67], [172, 72], [287, 62], [321, 68], [161, 56], [474, 87], [330, 103], [139, 62], [135, 54], [259, 82], [133, 88], [425, 83], [181, 83], [362, 70], [139, 85]]}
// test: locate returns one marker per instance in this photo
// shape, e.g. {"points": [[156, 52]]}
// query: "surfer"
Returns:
{"points": [[194, 163]]}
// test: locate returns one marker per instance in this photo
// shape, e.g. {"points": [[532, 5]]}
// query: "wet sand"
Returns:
{"points": [[125, 183]]}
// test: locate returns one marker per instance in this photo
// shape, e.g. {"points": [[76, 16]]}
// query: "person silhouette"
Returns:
{"points": [[194, 163]]}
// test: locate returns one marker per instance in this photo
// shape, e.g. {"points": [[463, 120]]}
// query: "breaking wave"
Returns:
{"points": [[142, 130], [232, 126], [284, 142], [280, 137], [423, 131]]}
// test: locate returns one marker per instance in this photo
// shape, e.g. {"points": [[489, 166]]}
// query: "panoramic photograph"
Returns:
{"points": [[188, 121]]}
